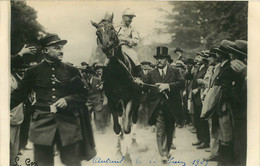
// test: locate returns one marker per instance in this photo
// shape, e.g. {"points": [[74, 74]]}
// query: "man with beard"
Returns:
{"points": [[60, 94], [162, 111]]}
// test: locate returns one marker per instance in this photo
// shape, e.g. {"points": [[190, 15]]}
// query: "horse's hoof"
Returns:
{"points": [[127, 130], [117, 129], [135, 117]]}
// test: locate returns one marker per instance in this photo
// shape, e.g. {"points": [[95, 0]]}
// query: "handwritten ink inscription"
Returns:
{"points": [[27, 162]]}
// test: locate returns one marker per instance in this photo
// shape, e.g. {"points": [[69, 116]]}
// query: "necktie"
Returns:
{"points": [[163, 74]]}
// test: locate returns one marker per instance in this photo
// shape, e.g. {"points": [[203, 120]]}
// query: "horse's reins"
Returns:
{"points": [[122, 64], [145, 84]]}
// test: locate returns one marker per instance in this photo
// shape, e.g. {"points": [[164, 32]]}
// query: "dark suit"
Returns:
{"points": [[162, 111], [223, 118], [201, 125], [47, 128]]}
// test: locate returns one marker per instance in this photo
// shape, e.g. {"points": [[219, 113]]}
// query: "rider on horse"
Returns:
{"points": [[129, 36]]}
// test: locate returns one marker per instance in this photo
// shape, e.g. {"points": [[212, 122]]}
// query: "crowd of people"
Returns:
{"points": [[53, 101]]}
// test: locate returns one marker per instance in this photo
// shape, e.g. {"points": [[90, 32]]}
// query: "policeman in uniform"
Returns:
{"points": [[130, 38], [55, 119]]}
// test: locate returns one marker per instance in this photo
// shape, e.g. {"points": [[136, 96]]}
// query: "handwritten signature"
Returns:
{"points": [[107, 160], [172, 160], [27, 162]]}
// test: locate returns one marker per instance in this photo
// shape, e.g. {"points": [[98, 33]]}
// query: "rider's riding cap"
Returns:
{"points": [[129, 12]]}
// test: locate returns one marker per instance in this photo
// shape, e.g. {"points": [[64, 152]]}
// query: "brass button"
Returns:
{"points": [[53, 89], [53, 69], [53, 82], [53, 97], [53, 75]]}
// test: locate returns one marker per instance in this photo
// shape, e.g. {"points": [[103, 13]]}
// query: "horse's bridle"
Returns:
{"points": [[113, 46]]}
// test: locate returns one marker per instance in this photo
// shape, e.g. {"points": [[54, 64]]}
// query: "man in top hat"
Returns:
{"points": [[238, 63], [164, 101], [178, 52], [202, 128], [129, 37], [60, 94]]}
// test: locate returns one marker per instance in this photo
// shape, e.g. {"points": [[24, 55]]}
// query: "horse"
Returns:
{"points": [[120, 88]]}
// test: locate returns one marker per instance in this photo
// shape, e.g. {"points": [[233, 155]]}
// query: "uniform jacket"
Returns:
{"points": [[50, 82], [173, 103]]}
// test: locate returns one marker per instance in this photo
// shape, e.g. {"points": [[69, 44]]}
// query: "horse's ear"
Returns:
{"points": [[94, 24], [111, 18]]}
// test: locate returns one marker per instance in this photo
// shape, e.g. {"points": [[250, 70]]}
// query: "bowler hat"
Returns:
{"points": [[98, 66], [224, 48], [205, 54], [52, 39], [240, 48], [213, 51], [178, 50], [170, 60], [179, 63], [162, 52], [84, 64], [146, 63], [189, 61]]}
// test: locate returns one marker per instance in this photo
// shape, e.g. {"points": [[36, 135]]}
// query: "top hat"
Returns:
{"points": [[178, 50], [162, 52], [240, 48], [51, 40]]}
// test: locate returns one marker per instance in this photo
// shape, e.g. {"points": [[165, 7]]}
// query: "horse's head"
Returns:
{"points": [[106, 35]]}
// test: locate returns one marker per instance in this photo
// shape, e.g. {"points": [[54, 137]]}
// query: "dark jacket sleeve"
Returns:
{"points": [[21, 93], [79, 90], [179, 84]]}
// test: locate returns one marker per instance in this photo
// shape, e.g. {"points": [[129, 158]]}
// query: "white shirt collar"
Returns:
{"points": [[201, 67], [179, 56], [164, 70]]}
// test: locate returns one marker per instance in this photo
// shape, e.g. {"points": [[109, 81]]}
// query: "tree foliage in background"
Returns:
{"points": [[25, 29], [198, 25]]}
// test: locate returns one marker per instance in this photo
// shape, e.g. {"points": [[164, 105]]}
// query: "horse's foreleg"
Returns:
{"points": [[117, 127], [127, 117]]}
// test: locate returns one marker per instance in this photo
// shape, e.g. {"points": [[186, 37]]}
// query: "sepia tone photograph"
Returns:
{"points": [[128, 83]]}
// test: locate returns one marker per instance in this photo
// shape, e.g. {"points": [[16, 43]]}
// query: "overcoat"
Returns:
{"points": [[173, 103]]}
